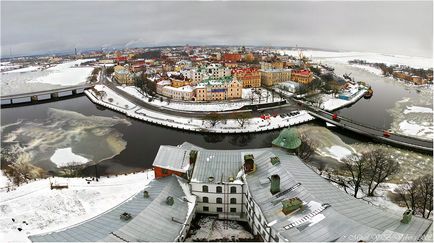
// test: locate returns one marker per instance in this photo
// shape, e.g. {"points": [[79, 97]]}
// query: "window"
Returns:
{"points": [[219, 210], [219, 200], [205, 188], [233, 210], [233, 201], [164, 171], [233, 189], [219, 189], [205, 199], [205, 209]]}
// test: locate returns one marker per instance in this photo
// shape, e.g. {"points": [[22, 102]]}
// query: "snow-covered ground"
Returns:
{"points": [[66, 74], [24, 70], [212, 229], [368, 68], [35, 78], [331, 103], [35, 208], [329, 145], [205, 106], [65, 156], [345, 56], [254, 124]]}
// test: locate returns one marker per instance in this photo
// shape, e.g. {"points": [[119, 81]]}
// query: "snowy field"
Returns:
{"points": [[35, 208], [254, 124], [344, 57], [212, 229], [33, 78], [247, 95]]}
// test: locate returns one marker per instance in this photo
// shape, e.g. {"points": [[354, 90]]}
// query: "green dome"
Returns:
{"points": [[288, 139]]}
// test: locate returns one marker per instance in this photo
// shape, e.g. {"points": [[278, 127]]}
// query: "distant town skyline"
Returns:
{"points": [[30, 28]]}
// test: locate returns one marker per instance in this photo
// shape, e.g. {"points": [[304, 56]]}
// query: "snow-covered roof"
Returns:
{"points": [[152, 218], [345, 219], [172, 158]]}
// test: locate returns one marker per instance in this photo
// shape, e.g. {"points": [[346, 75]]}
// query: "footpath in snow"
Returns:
{"points": [[114, 101], [35, 208], [204, 106]]}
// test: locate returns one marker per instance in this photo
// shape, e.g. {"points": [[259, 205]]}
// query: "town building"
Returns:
{"points": [[232, 57], [270, 77], [272, 65], [123, 75], [180, 93], [161, 212], [302, 76], [225, 88], [249, 77], [282, 199]]}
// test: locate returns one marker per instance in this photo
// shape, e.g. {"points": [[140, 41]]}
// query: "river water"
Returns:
{"points": [[123, 144]]}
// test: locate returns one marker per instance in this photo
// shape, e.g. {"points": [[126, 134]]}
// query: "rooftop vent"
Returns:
{"points": [[275, 184], [249, 165], [291, 205], [125, 216], [170, 201], [145, 194], [231, 179], [211, 179], [275, 160], [193, 156], [406, 216]]}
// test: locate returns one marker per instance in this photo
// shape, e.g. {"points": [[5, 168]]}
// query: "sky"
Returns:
{"points": [[404, 28]]}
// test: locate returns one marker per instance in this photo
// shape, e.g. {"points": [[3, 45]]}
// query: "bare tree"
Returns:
{"points": [[242, 118], [418, 195], [356, 167], [21, 171], [380, 167], [307, 148], [213, 118], [71, 169]]}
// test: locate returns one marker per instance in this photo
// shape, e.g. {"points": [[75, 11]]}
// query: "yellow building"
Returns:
{"points": [[302, 76], [122, 75], [270, 77], [179, 83], [249, 77], [218, 89]]}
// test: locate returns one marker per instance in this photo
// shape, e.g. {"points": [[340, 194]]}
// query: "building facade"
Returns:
{"points": [[218, 89], [270, 77], [302, 76], [123, 75], [249, 77]]}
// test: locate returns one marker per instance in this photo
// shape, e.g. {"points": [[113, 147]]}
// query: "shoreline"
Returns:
{"points": [[143, 114]]}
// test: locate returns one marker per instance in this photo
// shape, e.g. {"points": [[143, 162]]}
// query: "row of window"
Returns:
{"points": [[219, 200], [220, 209], [219, 189]]}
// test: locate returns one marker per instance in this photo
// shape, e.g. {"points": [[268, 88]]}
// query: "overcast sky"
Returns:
{"points": [[388, 27]]}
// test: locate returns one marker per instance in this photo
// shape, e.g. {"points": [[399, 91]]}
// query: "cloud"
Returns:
{"points": [[388, 27]]}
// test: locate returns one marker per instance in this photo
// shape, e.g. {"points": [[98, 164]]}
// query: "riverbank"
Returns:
{"points": [[114, 101]]}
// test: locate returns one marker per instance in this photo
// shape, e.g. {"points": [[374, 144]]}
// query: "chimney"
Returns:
{"points": [[406, 216], [275, 184], [193, 156], [170, 201], [145, 194], [249, 164]]}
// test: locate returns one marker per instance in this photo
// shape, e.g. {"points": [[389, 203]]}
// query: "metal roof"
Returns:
{"points": [[219, 164], [346, 219], [151, 217], [172, 158]]}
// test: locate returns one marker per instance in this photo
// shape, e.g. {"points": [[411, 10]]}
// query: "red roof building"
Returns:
{"points": [[232, 57], [249, 77], [302, 76]]}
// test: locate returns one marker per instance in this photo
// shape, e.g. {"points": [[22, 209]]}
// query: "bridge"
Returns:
{"points": [[16, 99], [376, 133]]}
